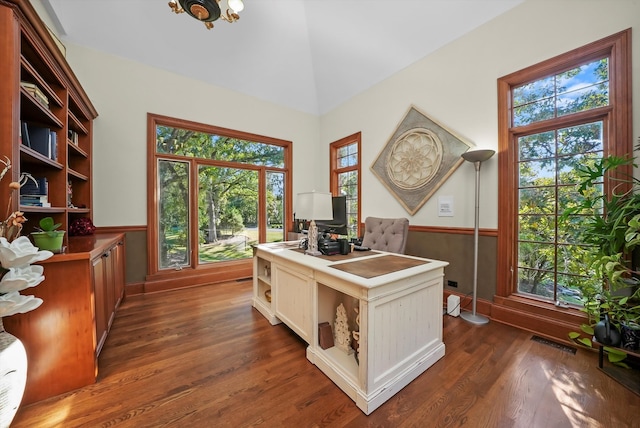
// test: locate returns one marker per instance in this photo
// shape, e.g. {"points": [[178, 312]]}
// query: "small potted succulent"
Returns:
{"points": [[48, 237]]}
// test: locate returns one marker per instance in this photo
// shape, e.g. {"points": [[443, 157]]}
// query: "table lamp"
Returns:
{"points": [[311, 206]]}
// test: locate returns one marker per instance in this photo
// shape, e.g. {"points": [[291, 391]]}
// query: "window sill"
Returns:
{"points": [[541, 317]]}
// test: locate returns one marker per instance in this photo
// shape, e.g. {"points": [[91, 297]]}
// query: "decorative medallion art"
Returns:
{"points": [[418, 158]]}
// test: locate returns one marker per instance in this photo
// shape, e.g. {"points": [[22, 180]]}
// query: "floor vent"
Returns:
{"points": [[556, 345]]}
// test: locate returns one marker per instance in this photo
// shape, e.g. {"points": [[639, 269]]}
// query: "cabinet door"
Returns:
{"points": [[110, 285], [293, 300], [100, 302], [117, 254]]}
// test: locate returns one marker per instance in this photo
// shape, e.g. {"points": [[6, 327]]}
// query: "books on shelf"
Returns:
{"points": [[38, 188], [73, 136], [24, 134], [36, 92], [35, 193], [42, 140], [35, 201]]}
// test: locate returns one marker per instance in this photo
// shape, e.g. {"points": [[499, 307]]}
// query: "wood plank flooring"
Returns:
{"points": [[203, 357]]}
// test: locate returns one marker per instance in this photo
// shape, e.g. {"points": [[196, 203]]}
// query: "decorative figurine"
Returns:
{"points": [[342, 335]]}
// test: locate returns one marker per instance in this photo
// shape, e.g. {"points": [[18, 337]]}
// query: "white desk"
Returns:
{"points": [[399, 299]]}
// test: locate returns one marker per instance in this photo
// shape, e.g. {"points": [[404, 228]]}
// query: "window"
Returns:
{"points": [[218, 192], [555, 117], [345, 178]]}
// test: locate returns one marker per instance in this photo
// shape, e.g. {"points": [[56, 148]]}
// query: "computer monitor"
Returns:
{"points": [[338, 225]]}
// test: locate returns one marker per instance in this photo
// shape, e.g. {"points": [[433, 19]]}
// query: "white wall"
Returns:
{"points": [[457, 86], [124, 91]]}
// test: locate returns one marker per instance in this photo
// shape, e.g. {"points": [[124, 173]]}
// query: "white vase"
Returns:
{"points": [[13, 375]]}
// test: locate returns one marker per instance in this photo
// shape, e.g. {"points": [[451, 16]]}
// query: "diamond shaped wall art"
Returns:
{"points": [[418, 158]]}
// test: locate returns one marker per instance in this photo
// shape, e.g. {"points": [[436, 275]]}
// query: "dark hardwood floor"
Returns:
{"points": [[203, 357]]}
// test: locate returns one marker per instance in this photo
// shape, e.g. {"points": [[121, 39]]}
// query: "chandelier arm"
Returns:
{"points": [[175, 7]]}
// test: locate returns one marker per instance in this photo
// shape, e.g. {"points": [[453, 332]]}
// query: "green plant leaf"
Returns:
{"points": [[586, 342], [46, 223], [615, 355], [587, 329]]}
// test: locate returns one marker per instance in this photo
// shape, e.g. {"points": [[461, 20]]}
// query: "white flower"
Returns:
{"points": [[15, 303], [19, 278], [20, 252]]}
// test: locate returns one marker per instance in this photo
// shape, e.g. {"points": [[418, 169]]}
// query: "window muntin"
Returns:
{"points": [[275, 206], [183, 142], [550, 258], [578, 89], [227, 213], [345, 178], [173, 214], [348, 155]]}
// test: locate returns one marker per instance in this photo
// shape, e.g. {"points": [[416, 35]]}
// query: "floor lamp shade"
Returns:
{"points": [[476, 157], [314, 206]]}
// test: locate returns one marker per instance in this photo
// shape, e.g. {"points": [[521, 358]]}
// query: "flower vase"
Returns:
{"points": [[13, 375]]}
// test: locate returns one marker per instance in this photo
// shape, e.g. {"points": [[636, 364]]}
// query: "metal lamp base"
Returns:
{"points": [[474, 318]]}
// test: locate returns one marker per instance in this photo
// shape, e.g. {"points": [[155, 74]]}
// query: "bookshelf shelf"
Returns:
{"points": [[30, 156], [43, 210], [77, 175], [32, 110], [30, 74], [78, 210], [75, 150], [76, 124]]}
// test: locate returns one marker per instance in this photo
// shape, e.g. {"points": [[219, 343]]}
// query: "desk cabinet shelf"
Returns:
{"points": [[262, 285], [328, 301]]}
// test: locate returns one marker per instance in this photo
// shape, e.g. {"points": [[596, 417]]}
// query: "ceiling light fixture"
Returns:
{"points": [[208, 11]]}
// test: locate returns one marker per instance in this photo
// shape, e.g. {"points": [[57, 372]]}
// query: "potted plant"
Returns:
{"points": [[48, 237], [614, 231]]}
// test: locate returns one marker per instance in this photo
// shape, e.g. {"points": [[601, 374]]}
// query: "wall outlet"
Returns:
{"points": [[452, 283]]}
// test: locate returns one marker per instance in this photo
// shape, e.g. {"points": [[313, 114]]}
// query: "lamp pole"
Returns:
{"points": [[476, 157]]}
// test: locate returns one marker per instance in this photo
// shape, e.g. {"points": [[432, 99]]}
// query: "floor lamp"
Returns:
{"points": [[477, 157]]}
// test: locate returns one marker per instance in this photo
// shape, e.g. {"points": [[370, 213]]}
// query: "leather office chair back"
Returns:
{"points": [[386, 234]]}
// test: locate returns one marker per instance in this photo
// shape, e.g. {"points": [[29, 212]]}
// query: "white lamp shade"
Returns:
{"points": [[314, 206], [477, 155]]}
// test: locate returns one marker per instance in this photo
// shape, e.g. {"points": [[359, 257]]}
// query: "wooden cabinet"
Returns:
{"points": [[100, 296], [108, 287], [46, 120], [64, 336]]}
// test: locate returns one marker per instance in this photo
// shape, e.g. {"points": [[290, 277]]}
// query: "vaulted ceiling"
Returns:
{"points": [[309, 55]]}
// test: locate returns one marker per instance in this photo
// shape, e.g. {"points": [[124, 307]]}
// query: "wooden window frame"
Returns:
{"points": [[618, 141], [161, 279], [335, 171]]}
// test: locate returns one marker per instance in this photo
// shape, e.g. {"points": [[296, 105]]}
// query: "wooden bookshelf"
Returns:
{"points": [[41, 91]]}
